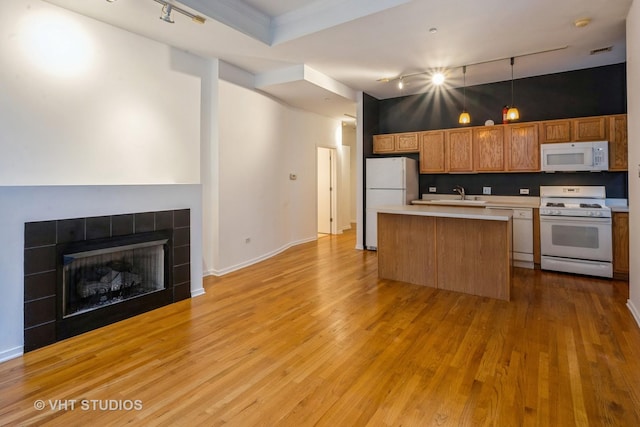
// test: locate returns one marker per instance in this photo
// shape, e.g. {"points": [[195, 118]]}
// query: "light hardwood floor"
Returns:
{"points": [[313, 337]]}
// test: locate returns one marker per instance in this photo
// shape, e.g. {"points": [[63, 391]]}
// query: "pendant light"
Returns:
{"points": [[512, 113], [464, 118]]}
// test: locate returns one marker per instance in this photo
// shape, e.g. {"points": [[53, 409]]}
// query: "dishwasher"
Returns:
{"points": [[523, 238]]}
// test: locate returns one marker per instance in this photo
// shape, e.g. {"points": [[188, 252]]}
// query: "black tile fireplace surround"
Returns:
{"points": [[43, 241]]}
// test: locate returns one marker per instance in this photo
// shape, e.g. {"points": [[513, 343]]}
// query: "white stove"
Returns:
{"points": [[574, 201], [575, 230]]}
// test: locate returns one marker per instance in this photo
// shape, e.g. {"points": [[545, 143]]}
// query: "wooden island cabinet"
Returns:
{"points": [[454, 248]]}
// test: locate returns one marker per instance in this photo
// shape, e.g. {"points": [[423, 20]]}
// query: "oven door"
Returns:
{"points": [[576, 237]]}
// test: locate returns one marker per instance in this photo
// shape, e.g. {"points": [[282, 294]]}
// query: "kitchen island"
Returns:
{"points": [[454, 248]]}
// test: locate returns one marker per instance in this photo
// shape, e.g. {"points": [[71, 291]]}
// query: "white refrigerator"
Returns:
{"points": [[389, 181]]}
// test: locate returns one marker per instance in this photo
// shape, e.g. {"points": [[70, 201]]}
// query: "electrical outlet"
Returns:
{"points": [[432, 189], [486, 190], [524, 191]]}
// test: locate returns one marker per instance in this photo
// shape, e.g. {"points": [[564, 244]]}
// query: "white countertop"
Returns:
{"points": [[510, 202], [448, 212]]}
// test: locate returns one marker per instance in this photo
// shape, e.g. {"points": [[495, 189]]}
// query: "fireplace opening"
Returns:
{"points": [[98, 278], [102, 281]]}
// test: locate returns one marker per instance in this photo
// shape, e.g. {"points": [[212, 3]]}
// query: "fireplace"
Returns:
{"points": [[85, 273]]}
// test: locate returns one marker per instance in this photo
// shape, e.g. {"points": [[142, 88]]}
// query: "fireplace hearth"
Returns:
{"points": [[85, 273]]}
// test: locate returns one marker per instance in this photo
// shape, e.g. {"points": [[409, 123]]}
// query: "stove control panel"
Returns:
{"points": [[603, 213]]}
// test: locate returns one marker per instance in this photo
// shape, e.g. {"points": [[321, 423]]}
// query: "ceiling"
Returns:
{"points": [[317, 54]]}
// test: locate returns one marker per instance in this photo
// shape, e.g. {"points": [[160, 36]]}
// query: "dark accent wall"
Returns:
{"points": [[581, 93], [503, 184], [590, 92]]}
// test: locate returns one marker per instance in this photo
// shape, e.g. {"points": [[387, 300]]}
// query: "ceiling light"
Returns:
{"points": [[582, 22], [437, 79], [433, 30], [464, 118], [512, 113], [401, 83]]}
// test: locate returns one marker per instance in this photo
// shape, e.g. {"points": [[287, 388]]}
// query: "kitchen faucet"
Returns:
{"points": [[460, 190]]}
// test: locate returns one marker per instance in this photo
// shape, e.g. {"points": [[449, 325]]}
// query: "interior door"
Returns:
{"points": [[326, 186]]}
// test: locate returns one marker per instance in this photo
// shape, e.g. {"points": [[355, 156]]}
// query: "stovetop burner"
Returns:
{"points": [[555, 204], [590, 205]]}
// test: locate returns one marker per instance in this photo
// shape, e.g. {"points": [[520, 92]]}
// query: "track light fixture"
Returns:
{"points": [[437, 78], [167, 8]]}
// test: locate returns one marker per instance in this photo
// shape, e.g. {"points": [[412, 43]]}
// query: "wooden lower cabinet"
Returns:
{"points": [[621, 245]]}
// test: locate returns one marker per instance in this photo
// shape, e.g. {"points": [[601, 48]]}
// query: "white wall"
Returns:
{"points": [[85, 102], [349, 139], [633, 111], [261, 142], [75, 140]]}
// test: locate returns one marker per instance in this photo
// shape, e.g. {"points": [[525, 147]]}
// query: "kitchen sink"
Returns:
{"points": [[458, 202]]}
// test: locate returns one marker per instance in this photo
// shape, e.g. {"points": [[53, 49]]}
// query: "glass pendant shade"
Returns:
{"points": [[464, 118]]}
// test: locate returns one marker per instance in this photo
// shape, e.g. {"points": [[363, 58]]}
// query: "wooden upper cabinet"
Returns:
{"points": [[488, 146], [618, 142], [589, 129], [433, 152], [460, 150], [384, 143], [406, 142], [555, 131], [522, 148]]}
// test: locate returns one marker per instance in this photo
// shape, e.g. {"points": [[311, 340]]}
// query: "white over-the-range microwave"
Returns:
{"points": [[575, 156]]}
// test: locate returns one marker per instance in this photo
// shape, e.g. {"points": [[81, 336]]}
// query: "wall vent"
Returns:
{"points": [[601, 50]]}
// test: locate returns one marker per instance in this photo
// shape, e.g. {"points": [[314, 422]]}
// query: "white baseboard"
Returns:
{"points": [[11, 353], [634, 311], [222, 272], [197, 292]]}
